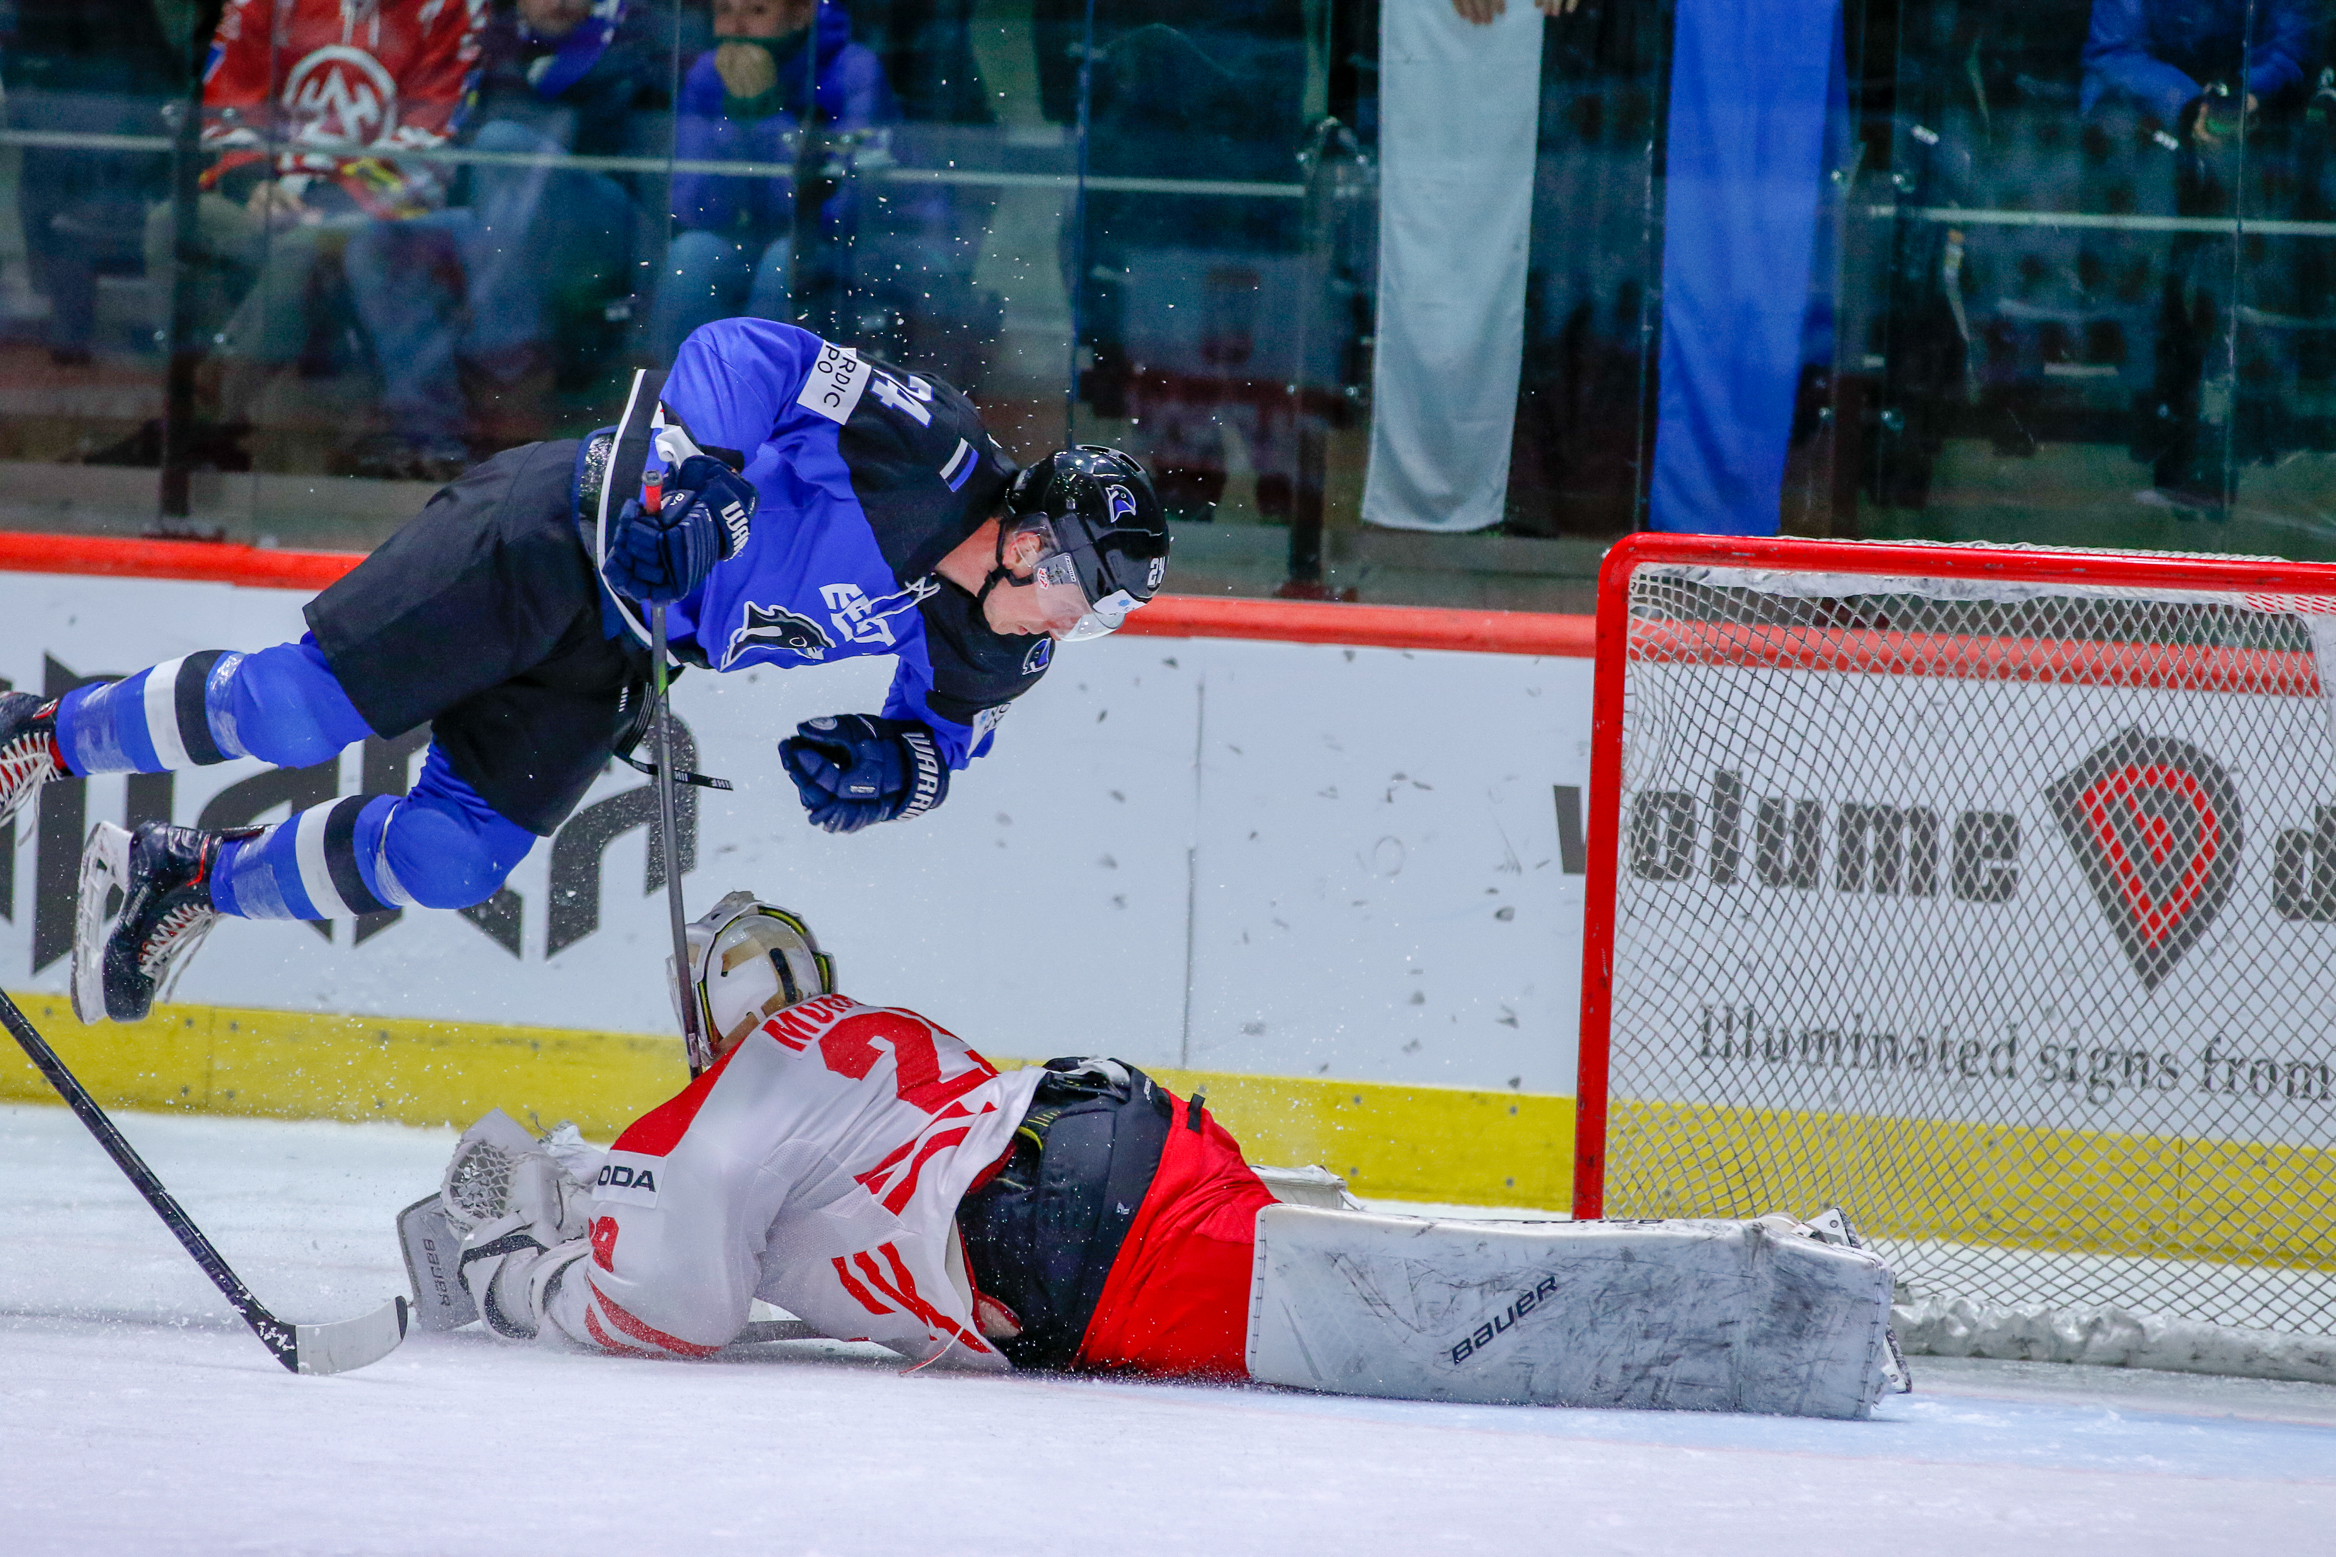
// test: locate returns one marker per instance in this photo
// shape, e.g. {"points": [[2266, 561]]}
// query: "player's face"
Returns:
{"points": [[1036, 607]]}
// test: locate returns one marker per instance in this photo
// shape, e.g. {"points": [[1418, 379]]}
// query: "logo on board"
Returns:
{"points": [[2154, 822]]}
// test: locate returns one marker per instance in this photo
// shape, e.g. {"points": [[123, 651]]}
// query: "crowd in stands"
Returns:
{"points": [[424, 229], [461, 205], [2200, 347]]}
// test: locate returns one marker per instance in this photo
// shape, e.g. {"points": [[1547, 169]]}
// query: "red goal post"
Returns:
{"points": [[1989, 891]]}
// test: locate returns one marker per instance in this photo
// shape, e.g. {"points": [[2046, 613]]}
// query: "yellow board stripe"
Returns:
{"points": [[1446, 1144], [2008, 1186], [2088, 1192]]}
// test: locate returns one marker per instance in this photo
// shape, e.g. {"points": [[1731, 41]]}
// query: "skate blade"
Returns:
{"points": [[105, 867], [350, 1343]]}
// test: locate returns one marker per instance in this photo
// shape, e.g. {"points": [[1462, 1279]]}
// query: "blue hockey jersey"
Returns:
{"points": [[867, 475]]}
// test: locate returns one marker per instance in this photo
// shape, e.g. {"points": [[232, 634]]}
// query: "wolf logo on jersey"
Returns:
{"points": [[776, 627]]}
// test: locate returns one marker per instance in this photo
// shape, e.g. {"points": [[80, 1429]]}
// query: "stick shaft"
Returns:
{"points": [[693, 1038], [279, 1337]]}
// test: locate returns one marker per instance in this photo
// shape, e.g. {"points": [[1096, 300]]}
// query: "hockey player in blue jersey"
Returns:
{"points": [[790, 502]]}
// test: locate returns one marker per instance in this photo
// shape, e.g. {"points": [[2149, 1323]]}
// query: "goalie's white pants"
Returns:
{"points": [[1714, 1316]]}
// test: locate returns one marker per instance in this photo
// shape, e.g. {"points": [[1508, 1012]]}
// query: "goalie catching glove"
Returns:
{"points": [[855, 769], [522, 1208], [703, 518]]}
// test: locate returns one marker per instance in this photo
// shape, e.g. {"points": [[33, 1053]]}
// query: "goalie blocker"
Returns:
{"points": [[867, 1172]]}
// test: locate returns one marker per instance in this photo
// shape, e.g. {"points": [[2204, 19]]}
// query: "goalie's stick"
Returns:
{"points": [[333, 1348]]}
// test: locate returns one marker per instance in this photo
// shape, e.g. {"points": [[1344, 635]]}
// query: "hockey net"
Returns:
{"points": [[1988, 893]]}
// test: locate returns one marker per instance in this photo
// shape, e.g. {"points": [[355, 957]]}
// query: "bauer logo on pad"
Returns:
{"points": [[2155, 823]]}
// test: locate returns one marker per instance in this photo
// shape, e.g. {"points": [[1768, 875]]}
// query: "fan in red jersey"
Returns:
{"points": [[340, 87]]}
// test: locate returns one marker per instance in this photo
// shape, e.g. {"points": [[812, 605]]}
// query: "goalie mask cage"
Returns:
{"points": [[1987, 892]]}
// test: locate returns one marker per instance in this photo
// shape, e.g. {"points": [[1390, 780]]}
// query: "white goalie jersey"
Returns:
{"points": [[817, 1167]]}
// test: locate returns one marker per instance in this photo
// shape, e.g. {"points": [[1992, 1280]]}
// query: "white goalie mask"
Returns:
{"points": [[748, 961]]}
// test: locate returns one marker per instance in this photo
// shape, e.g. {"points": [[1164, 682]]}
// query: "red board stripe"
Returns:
{"points": [[1170, 616], [1364, 626], [256, 567]]}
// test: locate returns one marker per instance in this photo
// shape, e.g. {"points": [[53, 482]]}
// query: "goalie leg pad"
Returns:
{"points": [[1711, 1316]]}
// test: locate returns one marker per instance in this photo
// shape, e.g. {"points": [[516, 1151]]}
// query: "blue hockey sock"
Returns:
{"points": [[281, 705], [322, 864], [441, 846]]}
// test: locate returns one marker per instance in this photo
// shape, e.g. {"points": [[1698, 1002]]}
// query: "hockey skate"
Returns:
{"points": [[163, 875], [28, 748]]}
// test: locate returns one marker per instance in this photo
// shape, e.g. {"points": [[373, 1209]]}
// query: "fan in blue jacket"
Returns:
{"points": [[733, 248], [2161, 54]]}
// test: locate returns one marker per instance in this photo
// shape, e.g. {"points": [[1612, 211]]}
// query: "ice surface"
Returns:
{"points": [[137, 1416]]}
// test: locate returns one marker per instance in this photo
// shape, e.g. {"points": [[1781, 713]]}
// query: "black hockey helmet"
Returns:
{"points": [[1104, 528]]}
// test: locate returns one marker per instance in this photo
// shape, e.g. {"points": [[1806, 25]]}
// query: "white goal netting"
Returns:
{"points": [[2001, 913]]}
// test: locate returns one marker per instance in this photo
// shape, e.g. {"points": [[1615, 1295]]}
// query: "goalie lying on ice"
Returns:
{"points": [[869, 1173]]}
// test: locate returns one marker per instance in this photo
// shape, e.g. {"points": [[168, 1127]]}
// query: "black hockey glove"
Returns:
{"points": [[662, 556], [854, 769]]}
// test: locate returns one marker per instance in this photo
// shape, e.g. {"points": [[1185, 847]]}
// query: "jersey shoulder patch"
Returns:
{"points": [[835, 383]]}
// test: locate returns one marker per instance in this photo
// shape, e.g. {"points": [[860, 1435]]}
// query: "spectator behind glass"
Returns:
{"points": [[85, 67], [579, 73], [1187, 299], [2160, 56], [537, 257], [2179, 74], [307, 108], [741, 102]]}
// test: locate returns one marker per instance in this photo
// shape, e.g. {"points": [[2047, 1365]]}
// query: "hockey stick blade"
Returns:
{"points": [[333, 1348], [350, 1343]]}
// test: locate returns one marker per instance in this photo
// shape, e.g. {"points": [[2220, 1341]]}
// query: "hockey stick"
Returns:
{"points": [[333, 1348], [693, 1036]]}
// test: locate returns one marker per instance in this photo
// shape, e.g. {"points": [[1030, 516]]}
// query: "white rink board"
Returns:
{"points": [[1269, 858]]}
